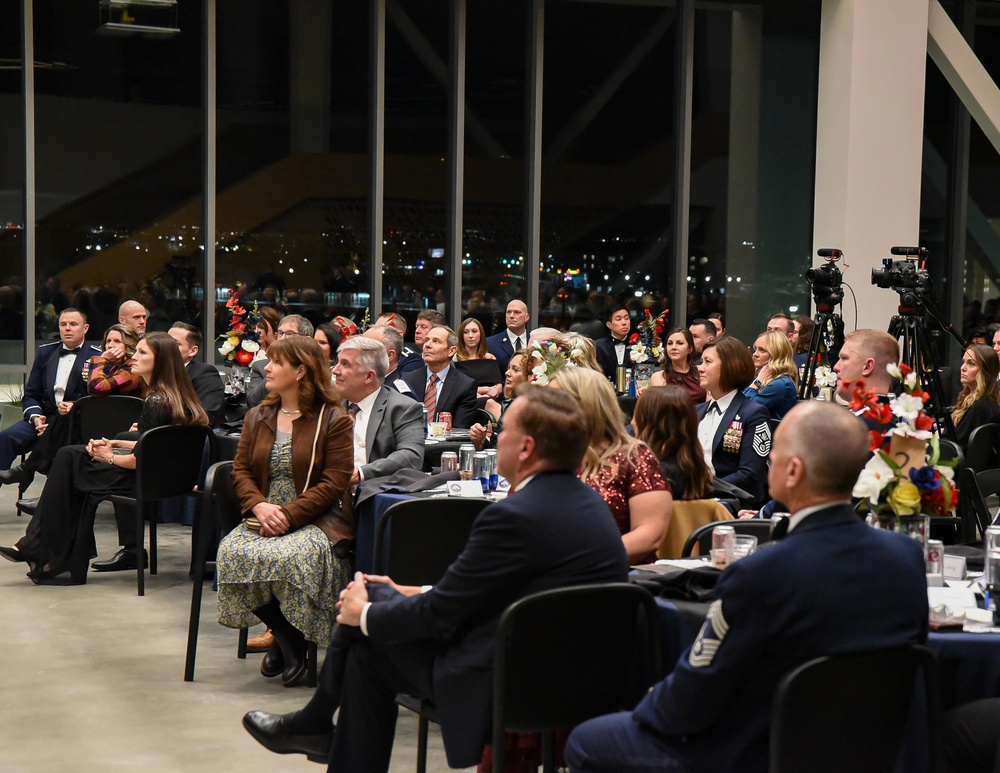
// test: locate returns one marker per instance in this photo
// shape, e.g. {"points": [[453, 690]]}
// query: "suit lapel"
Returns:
{"points": [[50, 371], [74, 375], [375, 420], [444, 393]]}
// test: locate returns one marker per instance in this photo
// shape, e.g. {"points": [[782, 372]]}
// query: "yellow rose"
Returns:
{"points": [[234, 341], [905, 498]]}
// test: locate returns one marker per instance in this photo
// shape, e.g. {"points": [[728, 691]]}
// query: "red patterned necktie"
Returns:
{"points": [[431, 397]]}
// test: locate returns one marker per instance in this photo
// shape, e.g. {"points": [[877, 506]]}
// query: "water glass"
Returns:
{"points": [[742, 546], [992, 567]]}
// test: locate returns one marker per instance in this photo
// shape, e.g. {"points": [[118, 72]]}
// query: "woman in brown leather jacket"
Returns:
{"points": [[289, 560]]}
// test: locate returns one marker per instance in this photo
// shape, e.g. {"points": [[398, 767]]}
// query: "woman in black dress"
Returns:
{"points": [[60, 536], [979, 401]]}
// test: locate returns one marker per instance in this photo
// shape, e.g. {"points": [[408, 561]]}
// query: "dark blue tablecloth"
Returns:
{"points": [[368, 514]]}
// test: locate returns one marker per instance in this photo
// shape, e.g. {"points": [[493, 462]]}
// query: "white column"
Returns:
{"points": [[873, 58]]}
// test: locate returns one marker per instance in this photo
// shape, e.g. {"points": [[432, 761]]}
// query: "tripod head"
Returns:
{"points": [[826, 281], [905, 278]]}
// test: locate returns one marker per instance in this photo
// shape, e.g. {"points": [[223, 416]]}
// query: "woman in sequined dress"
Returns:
{"points": [[620, 468]]}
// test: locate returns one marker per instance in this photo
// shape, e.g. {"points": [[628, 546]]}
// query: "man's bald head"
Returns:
{"points": [[818, 452], [133, 314]]}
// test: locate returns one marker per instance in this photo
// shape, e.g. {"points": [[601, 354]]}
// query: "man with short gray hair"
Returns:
{"points": [[392, 340], [388, 427], [290, 325]]}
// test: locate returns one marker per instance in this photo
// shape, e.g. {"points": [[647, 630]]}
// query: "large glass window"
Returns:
{"points": [[118, 164], [12, 273]]}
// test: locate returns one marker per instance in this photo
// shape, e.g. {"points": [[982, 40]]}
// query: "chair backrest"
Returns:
{"points": [[169, 461], [981, 453], [951, 450], [220, 496], [562, 656], [975, 489], [104, 416], [419, 539], [850, 712], [686, 516], [702, 536]]}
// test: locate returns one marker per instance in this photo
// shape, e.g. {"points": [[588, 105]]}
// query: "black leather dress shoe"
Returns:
{"points": [[12, 554], [273, 663], [296, 667], [119, 562], [273, 733], [19, 474]]}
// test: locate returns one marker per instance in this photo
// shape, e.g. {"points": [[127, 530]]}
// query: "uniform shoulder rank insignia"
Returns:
{"points": [[712, 632], [762, 439]]}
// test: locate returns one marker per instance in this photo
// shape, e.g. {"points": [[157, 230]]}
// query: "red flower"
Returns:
{"points": [[234, 299], [875, 439], [905, 369], [924, 421], [237, 327], [634, 338], [243, 357]]}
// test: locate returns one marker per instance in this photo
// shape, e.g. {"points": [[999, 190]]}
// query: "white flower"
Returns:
{"points": [[250, 346], [825, 377], [873, 479], [639, 353], [575, 355], [226, 348], [910, 382], [907, 407], [894, 371], [948, 473], [905, 430]]}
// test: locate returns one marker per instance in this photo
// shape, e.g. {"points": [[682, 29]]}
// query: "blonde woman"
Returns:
{"points": [[979, 401], [618, 467], [774, 387]]}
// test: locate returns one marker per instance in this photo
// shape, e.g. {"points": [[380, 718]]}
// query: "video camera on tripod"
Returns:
{"points": [[827, 281], [904, 277]]}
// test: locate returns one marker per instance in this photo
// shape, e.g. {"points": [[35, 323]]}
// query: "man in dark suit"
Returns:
{"points": [[290, 325], [513, 337], [771, 615], [388, 427], [54, 384], [613, 351], [439, 644], [453, 391], [411, 358], [205, 377]]}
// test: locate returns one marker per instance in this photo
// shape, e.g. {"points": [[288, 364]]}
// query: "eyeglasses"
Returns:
{"points": [[286, 333]]}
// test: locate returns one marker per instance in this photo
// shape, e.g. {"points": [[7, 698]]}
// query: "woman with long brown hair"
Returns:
{"points": [[81, 476], [679, 365], [667, 422], [979, 401], [286, 564]]}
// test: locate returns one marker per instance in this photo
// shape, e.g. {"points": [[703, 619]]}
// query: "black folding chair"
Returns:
{"points": [[547, 645], [850, 712], [169, 461], [981, 453], [220, 514], [702, 536], [975, 489]]}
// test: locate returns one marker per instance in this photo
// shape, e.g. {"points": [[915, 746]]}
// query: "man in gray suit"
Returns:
{"points": [[388, 427], [290, 325]]}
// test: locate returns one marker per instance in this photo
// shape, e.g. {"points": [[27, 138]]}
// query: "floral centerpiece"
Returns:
{"points": [[905, 476], [241, 342], [549, 358], [644, 345]]}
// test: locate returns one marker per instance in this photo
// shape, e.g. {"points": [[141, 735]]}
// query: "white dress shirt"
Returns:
{"points": [[709, 425], [63, 371], [361, 430]]}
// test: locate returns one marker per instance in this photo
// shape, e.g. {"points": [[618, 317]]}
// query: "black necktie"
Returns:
{"points": [[353, 409], [780, 528], [714, 406], [66, 351]]}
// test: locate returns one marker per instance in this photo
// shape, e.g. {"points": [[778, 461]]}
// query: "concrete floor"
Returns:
{"points": [[93, 674]]}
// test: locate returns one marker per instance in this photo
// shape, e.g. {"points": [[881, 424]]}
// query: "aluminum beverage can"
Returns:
{"points": [[480, 470], [466, 453], [722, 536], [449, 461], [446, 418], [491, 458], [935, 556]]}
